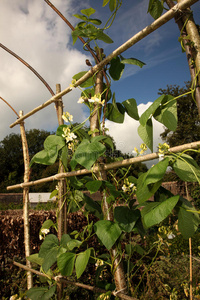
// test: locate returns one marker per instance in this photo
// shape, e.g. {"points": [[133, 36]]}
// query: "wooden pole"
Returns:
{"points": [[119, 274], [26, 202], [61, 217]]}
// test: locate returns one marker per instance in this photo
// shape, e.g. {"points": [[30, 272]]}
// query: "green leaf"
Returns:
{"points": [[144, 193], [108, 232], [103, 37], [64, 240], [64, 156], [155, 8], [88, 11], [89, 82], [132, 61], [42, 293], [48, 251], [116, 68], [151, 110], [93, 207], [48, 156], [87, 153], [146, 134], [156, 212], [186, 168], [112, 5], [53, 194], [188, 221], [126, 218], [81, 262], [156, 173], [131, 108], [105, 2], [66, 263], [84, 18], [93, 186], [115, 115], [166, 113], [73, 244], [34, 258]]}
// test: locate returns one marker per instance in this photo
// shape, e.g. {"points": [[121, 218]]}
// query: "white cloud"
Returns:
{"points": [[34, 31], [126, 136]]}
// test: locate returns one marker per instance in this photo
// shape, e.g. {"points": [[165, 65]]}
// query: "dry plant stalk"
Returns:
{"points": [[132, 41], [26, 202], [114, 165]]}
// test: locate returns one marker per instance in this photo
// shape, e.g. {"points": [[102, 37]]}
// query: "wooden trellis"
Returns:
{"points": [[100, 168]]}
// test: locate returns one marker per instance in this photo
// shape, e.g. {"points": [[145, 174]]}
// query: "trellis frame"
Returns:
{"points": [[184, 4]]}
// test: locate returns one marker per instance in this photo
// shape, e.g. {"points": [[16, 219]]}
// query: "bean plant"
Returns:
{"points": [[78, 148]]}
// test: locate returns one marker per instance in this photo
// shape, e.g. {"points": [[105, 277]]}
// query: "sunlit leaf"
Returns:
{"points": [[66, 263], [88, 11], [146, 134], [155, 212], [132, 61], [131, 108]]}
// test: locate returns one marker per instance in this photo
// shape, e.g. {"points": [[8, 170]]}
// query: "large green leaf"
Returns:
{"points": [[144, 193], [34, 258], [87, 153], [81, 262], [126, 217], [93, 186], [187, 169], [48, 156], [156, 173], [131, 108], [48, 251], [116, 68], [132, 61], [93, 207], [112, 5], [41, 293], [150, 110], [108, 232], [155, 8], [188, 221], [146, 134], [89, 82], [66, 263], [166, 113], [115, 115], [156, 212]]}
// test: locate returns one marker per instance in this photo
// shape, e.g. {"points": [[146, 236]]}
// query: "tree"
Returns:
{"points": [[188, 127], [12, 164]]}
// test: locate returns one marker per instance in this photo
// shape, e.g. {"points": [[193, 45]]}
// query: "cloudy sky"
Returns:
{"points": [[32, 30]]}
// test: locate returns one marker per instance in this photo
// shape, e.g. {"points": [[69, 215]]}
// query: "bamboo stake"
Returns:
{"points": [[26, 202], [119, 275], [132, 41], [61, 218], [180, 19], [78, 284], [114, 165]]}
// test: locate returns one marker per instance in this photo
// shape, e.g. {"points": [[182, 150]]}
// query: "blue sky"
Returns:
{"points": [[32, 30]]}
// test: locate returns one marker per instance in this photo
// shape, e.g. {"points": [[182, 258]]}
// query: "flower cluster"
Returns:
{"points": [[95, 99], [43, 232], [128, 187], [72, 85], [143, 148], [67, 117], [163, 148], [68, 135]]}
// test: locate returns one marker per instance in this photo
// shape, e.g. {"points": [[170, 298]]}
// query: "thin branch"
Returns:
{"points": [[30, 68], [132, 41], [10, 106], [114, 165], [78, 284]]}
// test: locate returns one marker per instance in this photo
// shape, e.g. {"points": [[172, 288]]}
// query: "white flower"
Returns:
{"points": [[45, 230], [171, 236], [81, 100], [68, 135], [40, 237], [67, 117], [96, 99]]}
